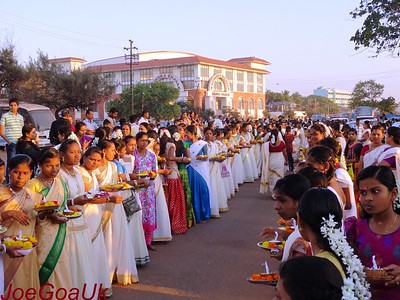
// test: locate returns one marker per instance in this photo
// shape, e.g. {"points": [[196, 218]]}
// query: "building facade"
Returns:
{"points": [[237, 84], [340, 97]]}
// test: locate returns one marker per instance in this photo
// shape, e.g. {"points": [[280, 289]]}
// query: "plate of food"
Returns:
{"points": [[71, 214], [264, 278], [93, 195], [269, 245], [143, 174], [26, 242], [48, 205], [377, 276], [202, 157], [161, 159], [139, 186], [116, 187], [289, 229]]}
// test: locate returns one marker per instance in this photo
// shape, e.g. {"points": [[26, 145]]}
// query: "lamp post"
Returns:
{"points": [[142, 101]]}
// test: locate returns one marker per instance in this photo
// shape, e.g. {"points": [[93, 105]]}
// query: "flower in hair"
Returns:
{"points": [[355, 286]]}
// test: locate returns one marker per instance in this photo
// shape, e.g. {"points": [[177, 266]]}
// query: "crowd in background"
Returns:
{"points": [[331, 179]]}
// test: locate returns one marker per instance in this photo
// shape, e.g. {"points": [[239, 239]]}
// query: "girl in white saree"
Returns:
{"points": [[371, 152], [51, 228], [78, 234], [121, 256], [274, 160]]}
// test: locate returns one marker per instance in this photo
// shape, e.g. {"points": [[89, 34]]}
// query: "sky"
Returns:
{"points": [[307, 42]]}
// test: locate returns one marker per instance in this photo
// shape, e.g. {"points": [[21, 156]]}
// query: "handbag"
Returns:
{"points": [[224, 171], [131, 206]]}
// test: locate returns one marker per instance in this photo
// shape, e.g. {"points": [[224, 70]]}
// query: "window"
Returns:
{"points": [[239, 82], [187, 72], [229, 77], [251, 107], [260, 104], [250, 83], [203, 84], [240, 103], [260, 85], [109, 77], [166, 70], [125, 78], [217, 71], [146, 75], [205, 71], [188, 84], [218, 85]]}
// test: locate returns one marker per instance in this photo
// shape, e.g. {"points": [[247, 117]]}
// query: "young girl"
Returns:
{"points": [[378, 232], [146, 160], [287, 194], [17, 214], [320, 222], [78, 234], [51, 228], [93, 215], [163, 231], [322, 158], [199, 176], [121, 257]]}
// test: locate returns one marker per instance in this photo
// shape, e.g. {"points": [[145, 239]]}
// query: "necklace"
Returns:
{"points": [[387, 229], [72, 174], [49, 183]]}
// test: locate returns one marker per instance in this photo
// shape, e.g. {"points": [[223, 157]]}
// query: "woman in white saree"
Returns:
{"points": [[371, 152], [121, 256], [391, 157], [274, 160], [78, 234]]}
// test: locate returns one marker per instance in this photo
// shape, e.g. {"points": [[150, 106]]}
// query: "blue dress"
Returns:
{"points": [[199, 180]]}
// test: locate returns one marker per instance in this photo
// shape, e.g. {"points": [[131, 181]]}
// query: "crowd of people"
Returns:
{"points": [[342, 197]]}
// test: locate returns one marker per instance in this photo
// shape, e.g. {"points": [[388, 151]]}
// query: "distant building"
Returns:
{"points": [[69, 63], [340, 97], [238, 84]]}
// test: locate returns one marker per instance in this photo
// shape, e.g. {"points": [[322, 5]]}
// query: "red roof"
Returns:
{"points": [[191, 60]]}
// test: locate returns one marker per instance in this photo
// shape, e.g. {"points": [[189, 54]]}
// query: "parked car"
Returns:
{"points": [[38, 115]]}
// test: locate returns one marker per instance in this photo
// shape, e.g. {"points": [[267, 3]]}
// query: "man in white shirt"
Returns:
{"points": [[145, 117], [218, 122], [91, 125], [11, 124], [112, 117]]}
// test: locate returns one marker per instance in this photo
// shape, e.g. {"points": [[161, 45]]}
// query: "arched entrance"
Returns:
{"points": [[218, 96]]}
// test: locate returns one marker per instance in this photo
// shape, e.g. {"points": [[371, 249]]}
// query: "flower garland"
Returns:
{"points": [[355, 286]]}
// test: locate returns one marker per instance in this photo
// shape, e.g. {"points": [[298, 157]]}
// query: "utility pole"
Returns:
{"points": [[132, 59]]}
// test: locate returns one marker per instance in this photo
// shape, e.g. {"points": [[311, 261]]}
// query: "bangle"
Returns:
{"points": [[135, 182], [42, 220], [1, 219], [4, 249], [108, 200], [72, 202]]}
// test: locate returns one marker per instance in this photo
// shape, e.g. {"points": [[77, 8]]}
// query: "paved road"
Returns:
{"points": [[213, 260]]}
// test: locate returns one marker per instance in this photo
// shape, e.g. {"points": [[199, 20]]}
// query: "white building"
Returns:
{"points": [[238, 84], [340, 97]]}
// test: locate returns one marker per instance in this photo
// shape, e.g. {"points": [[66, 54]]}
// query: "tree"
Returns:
{"points": [[366, 93], [320, 105], [387, 105], [381, 27], [49, 84], [11, 73], [157, 97]]}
